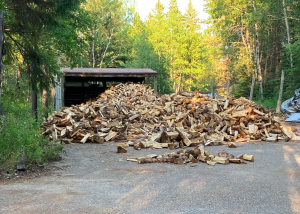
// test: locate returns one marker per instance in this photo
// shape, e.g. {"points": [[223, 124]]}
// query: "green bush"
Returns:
{"points": [[20, 131]]}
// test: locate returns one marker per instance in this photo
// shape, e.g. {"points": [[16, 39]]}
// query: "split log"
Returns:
{"points": [[182, 134], [239, 161], [221, 160], [85, 138], [248, 157], [231, 145], [124, 145], [211, 163], [121, 150]]}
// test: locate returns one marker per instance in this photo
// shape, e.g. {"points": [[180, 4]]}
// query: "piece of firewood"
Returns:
{"points": [[226, 104], [202, 158], [179, 161], [84, 139], [171, 146], [148, 160], [259, 112], [98, 139], [132, 159], [202, 152], [239, 113], [237, 161], [147, 144], [231, 145], [192, 159], [211, 163], [54, 135], [185, 139], [137, 146], [272, 139], [211, 157], [110, 135], [221, 160], [66, 141], [176, 145], [248, 157], [134, 117], [124, 145], [207, 153], [172, 135], [121, 150], [166, 159], [239, 157]]}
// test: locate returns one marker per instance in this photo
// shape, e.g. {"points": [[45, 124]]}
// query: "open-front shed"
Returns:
{"points": [[79, 85]]}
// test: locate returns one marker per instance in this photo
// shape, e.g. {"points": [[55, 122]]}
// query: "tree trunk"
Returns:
{"points": [[288, 33], [18, 80], [258, 66], [112, 33], [1, 45], [252, 87], [34, 104], [257, 60], [93, 50], [280, 93], [228, 86], [45, 99], [278, 48]]}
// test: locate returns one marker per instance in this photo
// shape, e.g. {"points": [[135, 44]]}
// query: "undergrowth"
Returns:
{"points": [[20, 131], [268, 102]]}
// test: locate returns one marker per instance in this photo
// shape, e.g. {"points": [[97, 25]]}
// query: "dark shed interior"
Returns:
{"points": [[82, 84]]}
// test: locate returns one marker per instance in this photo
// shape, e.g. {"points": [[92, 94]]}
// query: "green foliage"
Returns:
{"points": [[32, 28], [171, 44], [19, 129]]}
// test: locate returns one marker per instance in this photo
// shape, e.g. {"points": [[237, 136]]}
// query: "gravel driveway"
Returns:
{"points": [[93, 178]]}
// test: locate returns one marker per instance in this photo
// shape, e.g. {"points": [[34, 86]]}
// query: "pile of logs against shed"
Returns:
{"points": [[134, 113]]}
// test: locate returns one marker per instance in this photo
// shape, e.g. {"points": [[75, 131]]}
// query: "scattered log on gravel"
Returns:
{"points": [[121, 150], [195, 155], [248, 157]]}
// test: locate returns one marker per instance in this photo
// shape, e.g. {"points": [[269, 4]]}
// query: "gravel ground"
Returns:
{"points": [[93, 178]]}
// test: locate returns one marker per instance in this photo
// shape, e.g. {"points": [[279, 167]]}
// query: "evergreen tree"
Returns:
{"points": [[28, 23]]}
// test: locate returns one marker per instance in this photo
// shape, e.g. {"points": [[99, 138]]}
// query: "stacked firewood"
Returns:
{"points": [[134, 113]]}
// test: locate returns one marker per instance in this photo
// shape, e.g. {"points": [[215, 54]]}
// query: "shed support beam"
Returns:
{"points": [[62, 91], [83, 92], [155, 84]]}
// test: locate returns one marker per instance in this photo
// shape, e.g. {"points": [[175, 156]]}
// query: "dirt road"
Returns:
{"points": [[93, 178]]}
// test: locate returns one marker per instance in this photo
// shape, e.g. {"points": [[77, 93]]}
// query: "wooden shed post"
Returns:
{"points": [[155, 84], [63, 79]]}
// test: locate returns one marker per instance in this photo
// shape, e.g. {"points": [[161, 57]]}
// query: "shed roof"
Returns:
{"points": [[109, 72]]}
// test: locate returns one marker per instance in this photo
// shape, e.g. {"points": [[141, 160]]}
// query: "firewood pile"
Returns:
{"points": [[134, 113], [195, 155]]}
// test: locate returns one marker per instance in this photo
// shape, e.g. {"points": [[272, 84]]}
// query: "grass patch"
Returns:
{"points": [[268, 102]]}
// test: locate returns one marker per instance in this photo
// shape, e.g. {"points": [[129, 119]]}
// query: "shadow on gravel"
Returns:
{"points": [[292, 157]]}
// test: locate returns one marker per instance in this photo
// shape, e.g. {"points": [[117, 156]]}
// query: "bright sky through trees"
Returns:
{"points": [[144, 7]]}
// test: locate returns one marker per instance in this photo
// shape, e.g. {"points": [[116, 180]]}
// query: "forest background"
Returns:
{"points": [[245, 41]]}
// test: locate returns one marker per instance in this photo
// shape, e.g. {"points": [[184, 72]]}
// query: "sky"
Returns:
{"points": [[144, 7]]}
